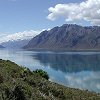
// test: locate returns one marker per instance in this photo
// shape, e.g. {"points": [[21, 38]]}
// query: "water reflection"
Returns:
{"points": [[84, 80], [77, 70], [69, 63]]}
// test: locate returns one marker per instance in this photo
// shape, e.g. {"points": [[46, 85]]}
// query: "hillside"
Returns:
{"points": [[17, 83], [67, 37]]}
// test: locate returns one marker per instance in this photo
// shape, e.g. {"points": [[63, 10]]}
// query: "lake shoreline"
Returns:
{"points": [[64, 50], [31, 81], [72, 69]]}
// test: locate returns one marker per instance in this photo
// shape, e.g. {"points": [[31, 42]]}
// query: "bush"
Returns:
{"points": [[18, 93], [42, 73], [1, 79]]}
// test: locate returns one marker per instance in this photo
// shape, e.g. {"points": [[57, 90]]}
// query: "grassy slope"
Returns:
{"points": [[18, 84]]}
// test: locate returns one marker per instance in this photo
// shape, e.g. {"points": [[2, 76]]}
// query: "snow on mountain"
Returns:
{"points": [[19, 36]]}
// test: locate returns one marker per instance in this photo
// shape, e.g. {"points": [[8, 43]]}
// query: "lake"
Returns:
{"points": [[73, 69]]}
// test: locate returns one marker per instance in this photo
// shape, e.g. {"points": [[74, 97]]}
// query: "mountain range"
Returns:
{"points": [[67, 37], [16, 44], [17, 40]]}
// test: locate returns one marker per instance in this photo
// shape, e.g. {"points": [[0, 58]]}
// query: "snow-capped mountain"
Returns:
{"points": [[17, 40], [15, 44]]}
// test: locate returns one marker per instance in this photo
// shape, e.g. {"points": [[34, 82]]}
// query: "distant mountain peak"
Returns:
{"points": [[16, 44]]}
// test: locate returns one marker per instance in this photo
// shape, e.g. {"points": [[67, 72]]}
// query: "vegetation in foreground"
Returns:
{"points": [[18, 83]]}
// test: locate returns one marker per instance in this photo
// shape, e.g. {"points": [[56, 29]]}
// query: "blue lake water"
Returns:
{"points": [[72, 69]]}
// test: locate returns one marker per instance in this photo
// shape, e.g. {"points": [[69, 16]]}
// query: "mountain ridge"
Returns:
{"points": [[67, 37], [18, 44]]}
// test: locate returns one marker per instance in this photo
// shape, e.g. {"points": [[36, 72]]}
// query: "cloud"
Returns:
{"points": [[84, 80], [87, 10], [2, 35], [19, 36]]}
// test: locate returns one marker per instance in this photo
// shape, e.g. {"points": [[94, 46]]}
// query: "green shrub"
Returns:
{"points": [[18, 93], [42, 73], [1, 79]]}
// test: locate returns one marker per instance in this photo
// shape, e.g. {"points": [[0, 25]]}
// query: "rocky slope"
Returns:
{"points": [[67, 37]]}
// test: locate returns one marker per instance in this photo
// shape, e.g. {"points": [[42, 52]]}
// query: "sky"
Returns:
{"points": [[28, 16]]}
